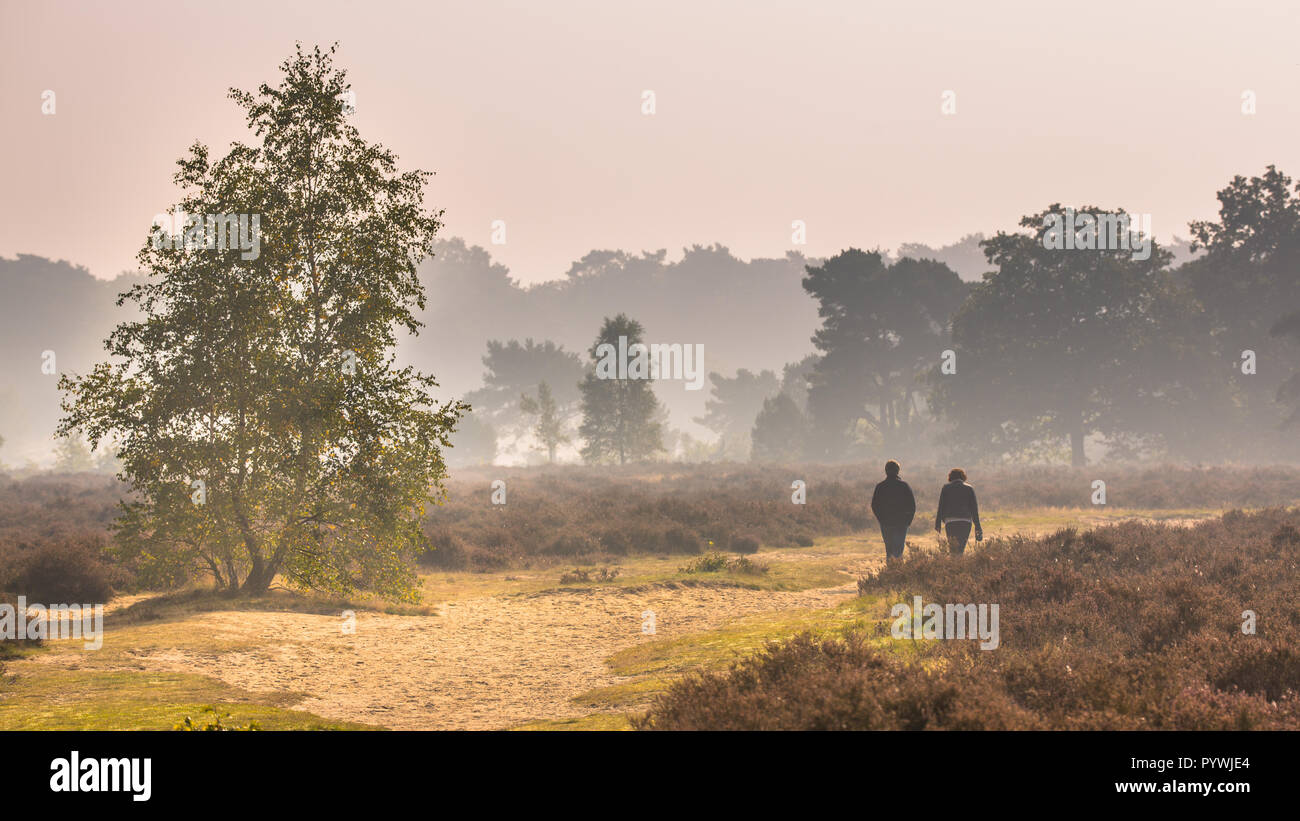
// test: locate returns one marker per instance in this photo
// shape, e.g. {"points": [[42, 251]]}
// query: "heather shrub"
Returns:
{"points": [[680, 540], [572, 544], [65, 570], [745, 544], [445, 552], [1131, 626], [808, 684], [715, 562], [679, 508], [16, 645], [53, 531]]}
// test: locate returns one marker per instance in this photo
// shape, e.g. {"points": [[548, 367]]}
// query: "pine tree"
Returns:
{"points": [[619, 406]]}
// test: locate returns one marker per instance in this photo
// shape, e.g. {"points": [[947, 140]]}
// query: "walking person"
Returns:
{"points": [[893, 505], [958, 510]]}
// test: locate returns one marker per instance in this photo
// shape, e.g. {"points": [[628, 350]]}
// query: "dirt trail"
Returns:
{"points": [[482, 663]]}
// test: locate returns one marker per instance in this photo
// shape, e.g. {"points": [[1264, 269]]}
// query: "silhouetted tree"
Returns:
{"points": [[731, 410], [1056, 345], [1288, 393], [965, 256], [794, 380], [1247, 281], [619, 410], [780, 431], [512, 368], [882, 327]]}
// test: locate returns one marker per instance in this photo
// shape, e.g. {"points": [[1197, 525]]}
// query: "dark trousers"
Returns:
{"points": [[895, 537], [958, 533]]}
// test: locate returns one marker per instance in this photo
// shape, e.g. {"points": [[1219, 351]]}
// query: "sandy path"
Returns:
{"points": [[482, 663]]}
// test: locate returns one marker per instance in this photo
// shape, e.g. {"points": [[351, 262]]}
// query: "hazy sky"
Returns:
{"points": [[828, 112]]}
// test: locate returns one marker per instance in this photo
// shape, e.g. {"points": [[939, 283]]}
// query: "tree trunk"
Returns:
{"points": [[260, 574], [1077, 458]]}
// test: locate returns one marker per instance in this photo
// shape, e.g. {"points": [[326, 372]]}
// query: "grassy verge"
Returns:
{"points": [[652, 667], [48, 699]]}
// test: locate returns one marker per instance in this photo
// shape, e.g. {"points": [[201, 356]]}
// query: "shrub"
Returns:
{"points": [[66, 570], [708, 563], [745, 544], [15, 646], [446, 552], [575, 576], [578, 575], [1131, 626], [572, 544], [681, 540], [212, 721], [746, 566], [1286, 536]]}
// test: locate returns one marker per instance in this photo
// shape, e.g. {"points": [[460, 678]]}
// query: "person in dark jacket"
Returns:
{"points": [[958, 510], [893, 505]]}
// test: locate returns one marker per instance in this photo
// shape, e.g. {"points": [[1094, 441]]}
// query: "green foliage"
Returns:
{"points": [[715, 562], [212, 721], [708, 563], [272, 378], [619, 416]]}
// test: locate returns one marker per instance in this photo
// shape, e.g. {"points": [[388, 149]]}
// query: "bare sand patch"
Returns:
{"points": [[482, 663]]}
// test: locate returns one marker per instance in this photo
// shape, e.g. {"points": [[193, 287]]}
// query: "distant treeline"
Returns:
{"points": [[1053, 355], [1070, 347]]}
